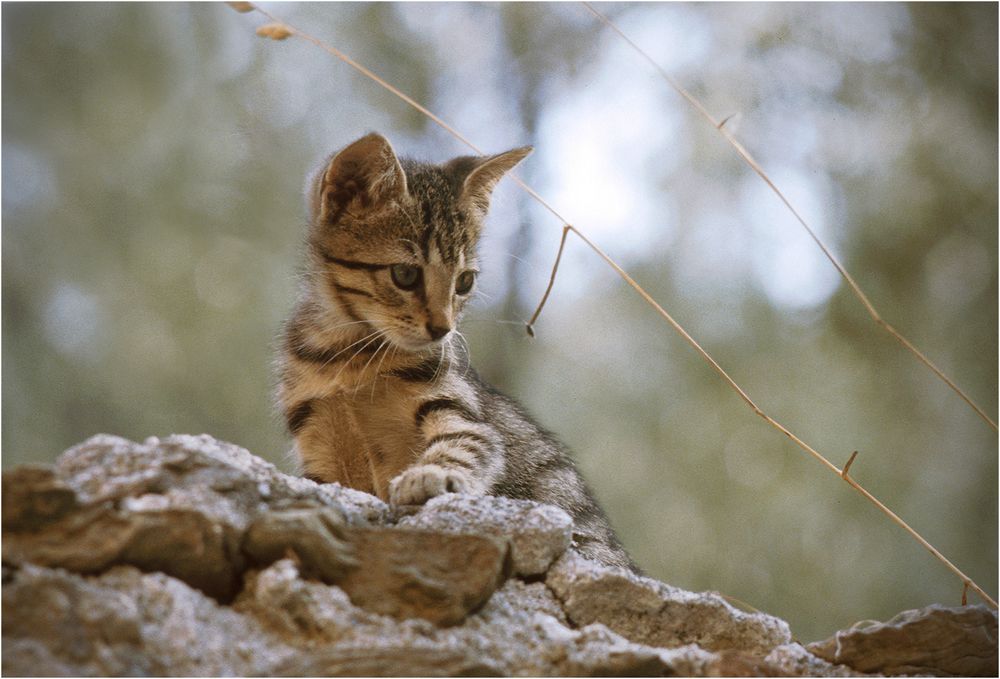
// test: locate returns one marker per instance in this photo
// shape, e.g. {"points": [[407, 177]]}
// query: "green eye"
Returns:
{"points": [[464, 282], [405, 276]]}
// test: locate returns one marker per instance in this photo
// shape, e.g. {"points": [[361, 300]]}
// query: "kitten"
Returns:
{"points": [[374, 390]]}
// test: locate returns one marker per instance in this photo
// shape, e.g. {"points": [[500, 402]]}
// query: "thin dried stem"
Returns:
{"points": [[926, 545], [529, 326], [745, 155], [567, 227], [371, 75], [847, 467]]}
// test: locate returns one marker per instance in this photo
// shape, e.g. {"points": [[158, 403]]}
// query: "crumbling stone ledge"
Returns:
{"points": [[190, 556]]}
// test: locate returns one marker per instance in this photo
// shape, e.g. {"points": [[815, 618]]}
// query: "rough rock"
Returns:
{"points": [[180, 506], [409, 573], [33, 496], [538, 534], [795, 661], [316, 535], [188, 556], [149, 531], [935, 640], [125, 623], [650, 612], [398, 571]]}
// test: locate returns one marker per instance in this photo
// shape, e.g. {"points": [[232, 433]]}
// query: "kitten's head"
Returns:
{"points": [[395, 241]]}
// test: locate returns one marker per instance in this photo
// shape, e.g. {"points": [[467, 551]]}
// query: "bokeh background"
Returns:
{"points": [[153, 163]]}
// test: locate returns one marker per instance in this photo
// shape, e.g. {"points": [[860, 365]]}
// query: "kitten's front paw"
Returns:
{"points": [[416, 485]]}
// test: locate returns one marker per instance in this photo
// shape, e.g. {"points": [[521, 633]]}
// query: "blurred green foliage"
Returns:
{"points": [[153, 159]]}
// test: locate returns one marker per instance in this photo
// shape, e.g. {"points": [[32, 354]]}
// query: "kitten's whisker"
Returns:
{"points": [[377, 334], [344, 325], [329, 360], [388, 346], [440, 363], [395, 351], [493, 320], [468, 352], [513, 256], [378, 368], [363, 369], [361, 373], [461, 339]]}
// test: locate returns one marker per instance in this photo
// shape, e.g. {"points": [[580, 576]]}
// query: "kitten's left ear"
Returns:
{"points": [[486, 172], [366, 174]]}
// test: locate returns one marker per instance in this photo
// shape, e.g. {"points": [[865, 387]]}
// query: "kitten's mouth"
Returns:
{"points": [[426, 344], [417, 344]]}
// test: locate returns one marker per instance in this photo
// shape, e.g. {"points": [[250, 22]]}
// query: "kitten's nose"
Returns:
{"points": [[437, 332]]}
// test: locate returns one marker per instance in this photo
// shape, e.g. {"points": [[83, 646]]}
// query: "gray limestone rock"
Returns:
{"points": [[795, 661], [180, 506], [33, 496], [181, 532], [935, 640], [538, 534], [520, 631], [125, 623], [317, 536], [189, 556], [409, 573], [649, 612]]}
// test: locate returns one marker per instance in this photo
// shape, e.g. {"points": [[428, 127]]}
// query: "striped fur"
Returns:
{"points": [[372, 400]]}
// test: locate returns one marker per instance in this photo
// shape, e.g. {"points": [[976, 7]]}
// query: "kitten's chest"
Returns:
{"points": [[385, 421]]}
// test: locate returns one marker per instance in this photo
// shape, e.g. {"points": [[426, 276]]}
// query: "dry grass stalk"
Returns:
{"points": [[745, 155], [567, 227], [847, 467], [242, 7], [274, 31]]}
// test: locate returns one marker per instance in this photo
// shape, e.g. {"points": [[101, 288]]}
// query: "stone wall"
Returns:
{"points": [[189, 556]]}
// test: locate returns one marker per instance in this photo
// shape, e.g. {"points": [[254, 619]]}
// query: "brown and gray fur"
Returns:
{"points": [[374, 388]]}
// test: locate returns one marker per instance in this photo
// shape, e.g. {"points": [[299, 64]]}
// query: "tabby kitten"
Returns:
{"points": [[374, 388]]}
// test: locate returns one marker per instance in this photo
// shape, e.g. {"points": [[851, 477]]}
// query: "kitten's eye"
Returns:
{"points": [[464, 282], [405, 276]]}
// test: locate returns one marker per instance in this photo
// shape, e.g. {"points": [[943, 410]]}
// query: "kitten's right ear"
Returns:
{"points": [[363, 176], [484, 174]]}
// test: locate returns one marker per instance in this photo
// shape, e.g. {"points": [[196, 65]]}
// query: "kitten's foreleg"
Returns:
{"points": [[461, 454]]}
